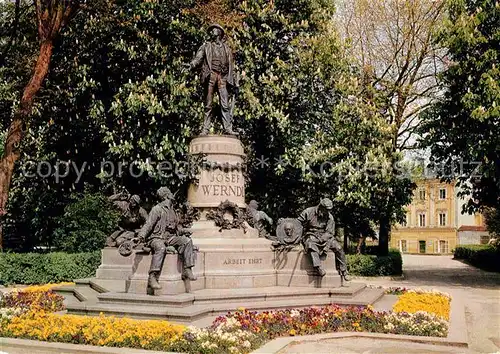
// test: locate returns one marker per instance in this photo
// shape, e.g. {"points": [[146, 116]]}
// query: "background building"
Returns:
{"points": [[434, 222]]}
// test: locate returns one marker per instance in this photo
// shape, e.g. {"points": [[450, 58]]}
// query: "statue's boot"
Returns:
{"points": [[321, 272], [188, 274], [231, 132], [153, 281], [345, 275]]}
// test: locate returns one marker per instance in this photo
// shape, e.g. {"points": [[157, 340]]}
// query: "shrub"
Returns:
{"points": [[37, 268], [85, 224], [371, 265], [482, 256]]}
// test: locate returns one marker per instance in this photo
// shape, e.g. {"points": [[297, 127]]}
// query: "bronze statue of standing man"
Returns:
{"points": [[217, 75]]}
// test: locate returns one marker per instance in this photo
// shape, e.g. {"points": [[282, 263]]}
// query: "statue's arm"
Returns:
{"points": [[148, 227], [303, 217], [330, 228], [117, 197], [267, 218], [198, 58], [143, 213]]}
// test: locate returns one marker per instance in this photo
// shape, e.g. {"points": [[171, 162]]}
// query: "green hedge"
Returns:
{"points": [[482, 256], [371, 265], [42, 268]]}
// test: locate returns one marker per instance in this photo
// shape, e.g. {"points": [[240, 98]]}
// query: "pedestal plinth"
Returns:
{"points": [[221, 179], [234, 267], [221, 264]]}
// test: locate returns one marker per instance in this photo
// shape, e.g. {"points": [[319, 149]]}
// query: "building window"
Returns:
{"points": [[442, 219], [442, 193], [421, 194], [421, 219], [443, 246], [404, 222], [421, 246], [403, 246]]}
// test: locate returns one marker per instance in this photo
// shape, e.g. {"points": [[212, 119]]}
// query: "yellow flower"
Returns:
{"points": [[292, 332], [434, 303], [100, 330]]}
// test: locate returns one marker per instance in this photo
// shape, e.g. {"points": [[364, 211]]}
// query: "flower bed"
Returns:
{"points": [[334, 319], [29, 313], [103, 331], [433, 302]]}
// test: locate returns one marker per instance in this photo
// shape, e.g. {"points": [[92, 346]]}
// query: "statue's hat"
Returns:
{"points": [[164, 192], [136, 198], [215, 25], [326, 203]]}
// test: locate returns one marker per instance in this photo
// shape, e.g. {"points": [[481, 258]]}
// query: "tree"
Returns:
{"points": [[51, 17], [463, 128], [119, 95], [492, 221], [392, 41]]}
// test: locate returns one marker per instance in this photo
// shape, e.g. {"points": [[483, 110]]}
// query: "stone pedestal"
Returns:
{"points": [[227, 259], [222, 177], [114, 266], [235, 268], [237, 264]]}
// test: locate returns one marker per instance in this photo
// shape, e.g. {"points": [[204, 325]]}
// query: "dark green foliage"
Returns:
{"points": [[370, 250], [463, 129], [116, 92], [482, 256], [371, 265], [38, 268], [85, 224], [492, 220]]}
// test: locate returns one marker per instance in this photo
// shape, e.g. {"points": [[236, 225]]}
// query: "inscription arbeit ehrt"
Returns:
{"points": [[242, 261]]}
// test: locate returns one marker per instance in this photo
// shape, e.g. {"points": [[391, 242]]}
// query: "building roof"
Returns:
{"points": [[471, 228]]}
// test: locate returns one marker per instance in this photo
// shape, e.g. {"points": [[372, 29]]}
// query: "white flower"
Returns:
{"points": [[246, 344]]}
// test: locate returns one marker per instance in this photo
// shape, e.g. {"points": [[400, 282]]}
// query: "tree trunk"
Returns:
{"points": [[361, 242], [17, 126], [383, 237]]}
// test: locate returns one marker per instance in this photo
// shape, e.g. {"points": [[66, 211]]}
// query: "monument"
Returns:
{"points": [[209, 259]]}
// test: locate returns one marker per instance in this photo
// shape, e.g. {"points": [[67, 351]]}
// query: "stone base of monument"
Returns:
{"points": [[235, 268], [231, 274]]}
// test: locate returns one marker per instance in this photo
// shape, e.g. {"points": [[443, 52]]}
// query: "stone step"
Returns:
{"points": [[213, 296], [273, 293], [196, 312], [181, 300], [85, 293], [82, 291], [68, 292]]}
